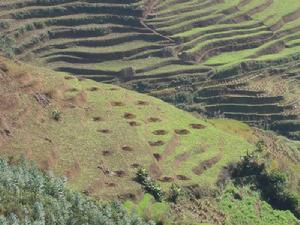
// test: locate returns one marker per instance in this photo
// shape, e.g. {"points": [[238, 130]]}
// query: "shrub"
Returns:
{"points": [[273, 185], [150, 186], [56, 115], [174, 193], [142, 175], [29, 196]]}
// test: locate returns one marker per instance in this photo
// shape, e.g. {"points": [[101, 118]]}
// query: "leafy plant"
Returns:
{"points": [[31, 197], [174, 193], [273, 185], [56, 115], [150, 186]]}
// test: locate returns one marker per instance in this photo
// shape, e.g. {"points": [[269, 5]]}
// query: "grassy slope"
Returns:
{"points": [[74, 146]]}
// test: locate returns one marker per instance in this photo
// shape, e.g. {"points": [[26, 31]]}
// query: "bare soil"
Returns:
{"points": [[154, 120], [157, 156], [182, 131], [117, 104], [129, 116], [127, 148], [160, 132], [205, 165], [197, 126], [182, 177], [134, 123], [156, 143]]}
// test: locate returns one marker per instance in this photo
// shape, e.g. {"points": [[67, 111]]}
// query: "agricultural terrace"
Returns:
{"points": [[228, 58]]}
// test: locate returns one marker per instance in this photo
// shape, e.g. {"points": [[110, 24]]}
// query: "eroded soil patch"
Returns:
{"points": [[206, 164], [142, 103], [107, 153], [104, 131], [120, 173], [166, 179], [154, 120], [157, 156], [117, 104], [197, 126], [182, 177], [182, 131], [156, 143], [134, 123], [127, 148], [160, 132], [129, 116], [97, 119]]}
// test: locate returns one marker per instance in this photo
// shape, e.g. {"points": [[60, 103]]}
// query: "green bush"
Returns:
{"points": [[31, 197], [56, 115], [174, 193], [273, 186], [150, 186]]}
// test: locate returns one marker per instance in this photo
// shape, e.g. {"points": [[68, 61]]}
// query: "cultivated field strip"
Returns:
{"points": [[203, 55]]}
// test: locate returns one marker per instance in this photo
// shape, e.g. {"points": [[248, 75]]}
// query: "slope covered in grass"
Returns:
{"points": [[98, 134], [198, 48]]}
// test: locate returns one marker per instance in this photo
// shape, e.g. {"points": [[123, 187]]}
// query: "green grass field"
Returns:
{"points": [[201, 45], [209, 70], [107, 130]]}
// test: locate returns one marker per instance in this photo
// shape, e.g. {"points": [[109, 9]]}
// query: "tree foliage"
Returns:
{"points": [[28, 196]]}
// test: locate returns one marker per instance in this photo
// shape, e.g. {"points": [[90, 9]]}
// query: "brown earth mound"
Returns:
{"points": [[134, 123], [142, 103], [160, 132], [107, 153], [156, 143], [157, 156], [129, 116], [120, 173], [206, 164], [182, 131], [97, 119], [127, 148], [197, 126], [117, 104], [154, 120], [166, 179], [182, 177], [104, 131]]}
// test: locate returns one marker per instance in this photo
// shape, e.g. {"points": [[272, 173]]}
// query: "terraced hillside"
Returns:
{"points": [[232, 58], [98, 134]]}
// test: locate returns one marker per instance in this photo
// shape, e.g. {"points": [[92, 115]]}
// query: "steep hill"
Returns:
{"points": [[210, 56], [98, 134]]}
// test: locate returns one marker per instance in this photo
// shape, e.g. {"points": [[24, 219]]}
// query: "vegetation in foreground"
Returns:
{"points": [[30, 197]]}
